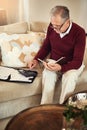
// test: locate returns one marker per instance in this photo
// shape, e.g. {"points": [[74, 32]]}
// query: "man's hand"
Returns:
{"points": [[52, 66], [32, 64]]}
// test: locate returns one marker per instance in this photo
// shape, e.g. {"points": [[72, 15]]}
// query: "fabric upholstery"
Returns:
{"points": [[38, 26], [3, 123], [85, 57], [18, 28], [12, 107], [10, 91], [15, 97], [23, 47]]}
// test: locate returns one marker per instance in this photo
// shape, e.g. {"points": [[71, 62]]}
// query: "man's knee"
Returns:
{"points": [[70, 75], [50, 74], [74, 72]]}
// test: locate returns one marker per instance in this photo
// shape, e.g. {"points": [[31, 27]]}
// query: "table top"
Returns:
{"points": [[44, 117]]}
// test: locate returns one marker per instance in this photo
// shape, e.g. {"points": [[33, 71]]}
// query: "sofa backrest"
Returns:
{"points": [[38, 26], [18, 28], [85, 54]]}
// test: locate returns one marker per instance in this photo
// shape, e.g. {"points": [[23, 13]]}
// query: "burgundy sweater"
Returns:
{"points": [[71, 46]]}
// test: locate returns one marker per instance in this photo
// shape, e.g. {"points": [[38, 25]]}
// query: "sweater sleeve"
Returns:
{"points": [[46, 47], [79, 47]]}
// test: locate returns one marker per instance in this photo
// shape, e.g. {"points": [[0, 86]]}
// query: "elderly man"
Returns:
{"points": [[65, 39]]}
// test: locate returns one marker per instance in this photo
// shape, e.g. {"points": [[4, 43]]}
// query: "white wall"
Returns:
{"points": [[11, 7], [40, 9], [17, 10]]}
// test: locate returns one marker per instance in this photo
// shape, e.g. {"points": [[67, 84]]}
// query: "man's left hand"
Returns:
{"points": [[52, 66]]}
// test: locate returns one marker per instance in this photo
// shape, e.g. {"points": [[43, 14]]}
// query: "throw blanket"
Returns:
{"points": [[17, 75]]}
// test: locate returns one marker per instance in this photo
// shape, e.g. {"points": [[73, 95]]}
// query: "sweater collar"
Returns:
{"points": [[65, 33]]}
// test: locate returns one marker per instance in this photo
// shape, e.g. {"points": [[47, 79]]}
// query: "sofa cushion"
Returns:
{"points": [[38, 26], [18, 49], [12, 107], [20, 27], [10, 90]]}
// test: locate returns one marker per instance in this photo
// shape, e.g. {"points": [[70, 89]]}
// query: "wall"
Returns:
{"points": [[17, 10], [40, 10], [11, 7]]}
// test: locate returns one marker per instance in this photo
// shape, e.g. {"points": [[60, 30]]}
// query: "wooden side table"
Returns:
{"points": [[44, 117], [3, 17]]}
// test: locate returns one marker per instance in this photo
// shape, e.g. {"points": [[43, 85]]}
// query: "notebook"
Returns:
{"points": [[17, 75]]}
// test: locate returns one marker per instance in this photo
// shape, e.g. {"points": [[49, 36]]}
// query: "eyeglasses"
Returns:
{"points": [[57, 27]]}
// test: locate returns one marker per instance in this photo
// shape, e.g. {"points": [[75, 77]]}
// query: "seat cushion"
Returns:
{"points": [[12, 107], [10, 90]]}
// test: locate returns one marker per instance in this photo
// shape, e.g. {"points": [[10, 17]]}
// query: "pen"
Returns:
{"points": [[55, 61], [59, 59], [40, 60]]}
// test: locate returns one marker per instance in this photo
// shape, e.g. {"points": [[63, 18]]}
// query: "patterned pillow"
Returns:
{"points": [[18, 49]]}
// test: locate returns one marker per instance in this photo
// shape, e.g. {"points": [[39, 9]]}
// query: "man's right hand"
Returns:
{"points": [[32, 64]]}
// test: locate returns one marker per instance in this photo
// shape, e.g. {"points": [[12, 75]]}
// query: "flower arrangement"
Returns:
{"points": [[76, 109], [73, 112]]}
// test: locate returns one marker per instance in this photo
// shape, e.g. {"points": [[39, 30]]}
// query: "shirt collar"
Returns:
{"points": [[68, 30]]}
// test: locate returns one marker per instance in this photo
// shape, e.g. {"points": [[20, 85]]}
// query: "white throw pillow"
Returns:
{"points": [[18, 49]]}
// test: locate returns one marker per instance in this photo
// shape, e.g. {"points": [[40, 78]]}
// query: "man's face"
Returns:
{"points": [[59, 24]]}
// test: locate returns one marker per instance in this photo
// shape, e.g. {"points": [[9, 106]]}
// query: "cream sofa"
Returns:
{"points": [[15, 97]]}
